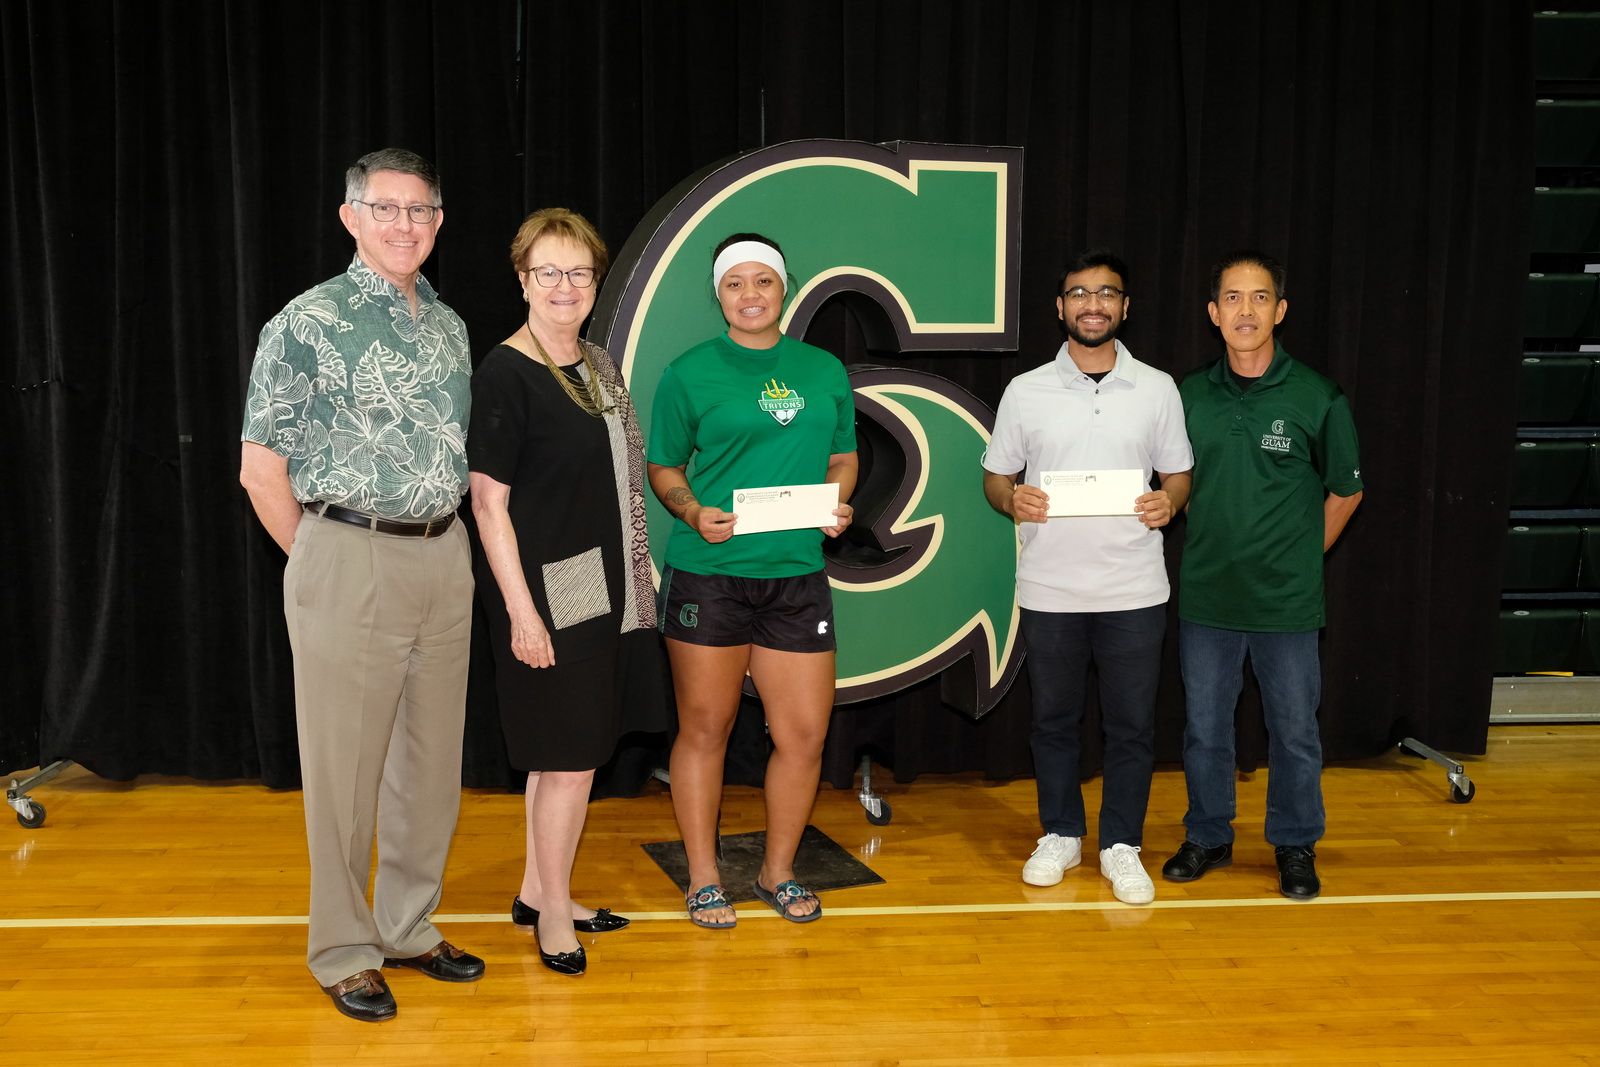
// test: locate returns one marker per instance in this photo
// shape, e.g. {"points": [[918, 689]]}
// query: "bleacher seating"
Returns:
{"points": [[1566, 133], [1550, 617], [1566, 45], [1551, 474], [1561, 306], [1589, 557], [1539, 639], [1555, 390], [1565, 220], [1543, 558]]}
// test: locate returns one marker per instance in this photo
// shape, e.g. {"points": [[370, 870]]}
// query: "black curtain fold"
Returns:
{"points": [[171, 174]]}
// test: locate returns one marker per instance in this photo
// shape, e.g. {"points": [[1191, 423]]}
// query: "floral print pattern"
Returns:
{"points": [[368, 404]]}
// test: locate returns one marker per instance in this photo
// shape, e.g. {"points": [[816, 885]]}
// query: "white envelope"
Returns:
{"points": [[785, 507], [1110, 492]]}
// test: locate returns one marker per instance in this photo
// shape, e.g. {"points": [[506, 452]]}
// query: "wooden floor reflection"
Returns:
{"points": [[161, 922]]}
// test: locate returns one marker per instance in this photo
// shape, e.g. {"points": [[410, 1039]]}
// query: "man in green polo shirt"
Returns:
{"points": [[1276, 477]]}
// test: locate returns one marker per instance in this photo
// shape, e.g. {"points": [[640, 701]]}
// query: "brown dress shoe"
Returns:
{"points": [[364, 996], [443, 961]]}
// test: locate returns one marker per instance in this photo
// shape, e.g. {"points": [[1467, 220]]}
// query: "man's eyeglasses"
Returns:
{"points": [[549, 277], [421, 214], [1079, 295]]}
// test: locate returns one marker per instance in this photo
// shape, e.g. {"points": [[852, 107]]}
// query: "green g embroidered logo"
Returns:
{"points": [[689, 615], [1277, 440], [781, 402]]}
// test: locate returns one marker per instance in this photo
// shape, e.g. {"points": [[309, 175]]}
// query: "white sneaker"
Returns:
{"points": [[1129, 883], [1054, 857]]}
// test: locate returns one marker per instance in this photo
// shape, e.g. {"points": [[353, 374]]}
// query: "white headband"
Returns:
{"points": [[749, 252]]}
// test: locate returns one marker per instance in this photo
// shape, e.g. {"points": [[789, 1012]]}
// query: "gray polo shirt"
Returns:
{"points": [[1055, 417]]}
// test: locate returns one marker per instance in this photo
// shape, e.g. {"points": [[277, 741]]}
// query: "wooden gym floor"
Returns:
{"points": [[162, 923]]}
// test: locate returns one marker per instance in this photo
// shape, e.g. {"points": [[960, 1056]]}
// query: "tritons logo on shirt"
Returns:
{"points": [[925, 240], [1277, 440], [781, 402]]}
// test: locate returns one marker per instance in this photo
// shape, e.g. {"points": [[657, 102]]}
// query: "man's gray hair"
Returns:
{"points": [[399, 160]]}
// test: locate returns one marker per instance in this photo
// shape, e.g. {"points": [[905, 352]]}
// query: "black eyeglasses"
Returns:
{"points": [[421, 214], [1079, 295], [549, 276]]}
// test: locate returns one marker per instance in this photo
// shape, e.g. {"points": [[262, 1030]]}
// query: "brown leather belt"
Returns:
{"points": [[432, 528]]}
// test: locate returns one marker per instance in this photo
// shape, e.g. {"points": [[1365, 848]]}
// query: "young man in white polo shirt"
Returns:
{"points": [[1091, 587]]}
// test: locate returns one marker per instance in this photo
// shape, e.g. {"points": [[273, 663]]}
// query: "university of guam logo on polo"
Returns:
{"points": [[1277, 440], [931, 234], [781, 402]]}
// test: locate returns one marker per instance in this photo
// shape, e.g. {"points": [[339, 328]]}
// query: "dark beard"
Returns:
{"points": [[1088, 342]]}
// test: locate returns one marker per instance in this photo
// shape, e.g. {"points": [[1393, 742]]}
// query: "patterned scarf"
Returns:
{"points": [[627, 463]]}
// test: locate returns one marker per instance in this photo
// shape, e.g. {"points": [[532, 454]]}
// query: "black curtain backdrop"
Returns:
{"points": [[171, 173]]}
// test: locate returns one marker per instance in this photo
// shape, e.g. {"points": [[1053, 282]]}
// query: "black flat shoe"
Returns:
{"points": [[1194, 860], [1297, 872], [602, 920], [573, 963]]}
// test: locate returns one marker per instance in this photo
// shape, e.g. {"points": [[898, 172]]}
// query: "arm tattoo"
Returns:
{"points": [[679, 500]]}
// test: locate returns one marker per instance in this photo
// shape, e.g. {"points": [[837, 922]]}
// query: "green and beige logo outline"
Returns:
{"points": [[930, 234]]}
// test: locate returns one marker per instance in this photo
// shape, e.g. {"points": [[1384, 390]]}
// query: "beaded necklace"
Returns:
{"points": [[589, 398]]}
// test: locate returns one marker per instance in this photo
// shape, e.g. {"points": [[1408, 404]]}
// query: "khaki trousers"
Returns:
{"points": [[380, 627]]}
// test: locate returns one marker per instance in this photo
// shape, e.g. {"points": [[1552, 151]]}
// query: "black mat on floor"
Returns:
{"points": [[820, 864]]}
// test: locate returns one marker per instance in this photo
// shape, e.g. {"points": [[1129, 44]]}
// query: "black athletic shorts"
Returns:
{"points": [[784, 614]]}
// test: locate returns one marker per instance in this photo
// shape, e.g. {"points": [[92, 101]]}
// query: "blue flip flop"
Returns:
{"points": [[786, 893], [706, 898]]}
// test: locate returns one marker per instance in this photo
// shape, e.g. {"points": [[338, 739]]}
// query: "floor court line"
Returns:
{"points": [[1018, 907]]}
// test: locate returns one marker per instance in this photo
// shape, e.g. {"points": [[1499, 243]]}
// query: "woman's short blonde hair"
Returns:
{"points": [[558, 222]]}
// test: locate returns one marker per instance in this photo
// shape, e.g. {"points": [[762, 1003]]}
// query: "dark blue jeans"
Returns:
{"points": [[1290, 674], [1126, 649]]}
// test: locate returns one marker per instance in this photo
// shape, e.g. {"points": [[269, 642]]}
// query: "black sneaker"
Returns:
{"points": [[1297, 872]]}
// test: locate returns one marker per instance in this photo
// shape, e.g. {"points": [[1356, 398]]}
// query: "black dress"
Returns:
{"points": [[558, 460]]}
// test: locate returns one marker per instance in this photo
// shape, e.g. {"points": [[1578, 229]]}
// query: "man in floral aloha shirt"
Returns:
{"points": [[354, 459]]}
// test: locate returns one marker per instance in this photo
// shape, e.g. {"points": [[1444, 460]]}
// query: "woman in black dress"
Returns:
{"points": [[557, 475]]}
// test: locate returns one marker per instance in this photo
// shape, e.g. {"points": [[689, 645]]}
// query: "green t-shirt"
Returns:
{"points": [[1264, 460], [750, 418]]}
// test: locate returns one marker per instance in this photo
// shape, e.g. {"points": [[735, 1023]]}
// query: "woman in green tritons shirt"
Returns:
{"points": [[751, 408]]}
